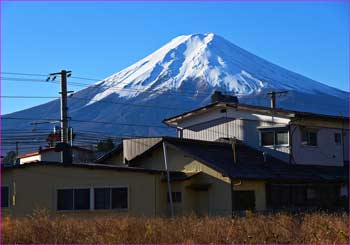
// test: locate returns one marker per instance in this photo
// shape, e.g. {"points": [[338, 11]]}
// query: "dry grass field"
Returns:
{"points": [[277, 228]]}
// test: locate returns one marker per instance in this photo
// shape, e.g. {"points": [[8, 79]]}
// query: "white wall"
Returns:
{"points": [[243, 126], [52, 156], [327, 152], [30, 159]]}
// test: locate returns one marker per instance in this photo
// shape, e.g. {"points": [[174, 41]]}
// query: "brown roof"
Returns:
{"points": [[260, 109]]}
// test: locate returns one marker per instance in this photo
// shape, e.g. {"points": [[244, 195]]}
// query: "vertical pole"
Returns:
{"points": [[273, 100], [233, 144], [16, 149], [168, 178], [232, 199], [64, 121], [71, 136]]}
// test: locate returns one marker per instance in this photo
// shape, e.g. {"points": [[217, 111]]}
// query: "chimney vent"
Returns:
{"points": [[217, 96]]}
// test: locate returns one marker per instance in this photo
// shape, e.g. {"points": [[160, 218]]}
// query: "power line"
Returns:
{"points": [[27, 97], [183, 92], [85, 121], [24, 74], [93, 100]]}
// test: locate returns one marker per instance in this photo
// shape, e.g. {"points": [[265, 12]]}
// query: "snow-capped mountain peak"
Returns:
{"points": [[181, 76], [204, 62]]}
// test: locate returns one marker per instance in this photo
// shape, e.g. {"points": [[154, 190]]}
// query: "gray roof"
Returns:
{"points": [[93, 166], [107, 155], [250, 162], [259, 109]]}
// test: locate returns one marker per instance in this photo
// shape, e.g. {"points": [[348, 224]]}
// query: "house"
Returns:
{"points": [[294, 137], [204, 178], [259, 182], [80, 188], [227, 158], [51, 155]]}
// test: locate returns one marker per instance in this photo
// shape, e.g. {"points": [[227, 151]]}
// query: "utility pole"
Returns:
{"points": [[273, 97], [16, 149], [170, 194], [233, 145], [64, 113]]}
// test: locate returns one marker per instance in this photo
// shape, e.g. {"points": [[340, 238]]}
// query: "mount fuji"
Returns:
{"points": [[181, 76]]}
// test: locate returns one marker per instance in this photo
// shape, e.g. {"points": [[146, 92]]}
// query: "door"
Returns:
{"points": [[243, 200], [202, 203]]}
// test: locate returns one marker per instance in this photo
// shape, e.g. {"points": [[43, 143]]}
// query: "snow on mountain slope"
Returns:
{"points": [[181, 76], [214, 61]]}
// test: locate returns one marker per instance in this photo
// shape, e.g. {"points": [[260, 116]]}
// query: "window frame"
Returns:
{"points": [[275, 138], [73, 199], [110, 197], [173, 195], [8, 196], [92, 198], [274, 131], [307, 142]]}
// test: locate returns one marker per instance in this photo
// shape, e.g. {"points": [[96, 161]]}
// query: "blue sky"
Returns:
{"points": [[98, 39]]}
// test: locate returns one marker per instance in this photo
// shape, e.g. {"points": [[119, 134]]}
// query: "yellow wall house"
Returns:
{"points": [[206, 178]]}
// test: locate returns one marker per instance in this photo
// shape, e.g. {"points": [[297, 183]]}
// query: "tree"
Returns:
{"points": [[10, 158], [105, 145]]}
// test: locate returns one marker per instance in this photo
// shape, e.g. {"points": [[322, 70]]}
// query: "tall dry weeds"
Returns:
{"points": [[254, 228]]}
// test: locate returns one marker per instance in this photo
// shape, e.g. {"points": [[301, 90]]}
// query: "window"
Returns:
{"points": [[65, 199], [337, 138], [5, 196], [274, 137], [244, 200], [267, 138], [82, 199], [309, 138], [102, 198], [282, 137], [73, 199], [176, 196], [111, 198], [119, 198]]}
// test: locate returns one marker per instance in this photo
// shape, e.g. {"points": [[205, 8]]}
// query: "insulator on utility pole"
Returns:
{"points": [[273, 97]]}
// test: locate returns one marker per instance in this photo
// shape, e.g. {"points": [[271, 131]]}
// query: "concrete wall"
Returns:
{"points": [[327, 151]]}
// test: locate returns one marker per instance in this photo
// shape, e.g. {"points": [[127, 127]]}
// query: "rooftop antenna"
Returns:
{"points": [[273, 97]]}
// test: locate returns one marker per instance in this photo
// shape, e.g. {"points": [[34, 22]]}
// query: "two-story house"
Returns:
{"points": [[294, 137]]}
